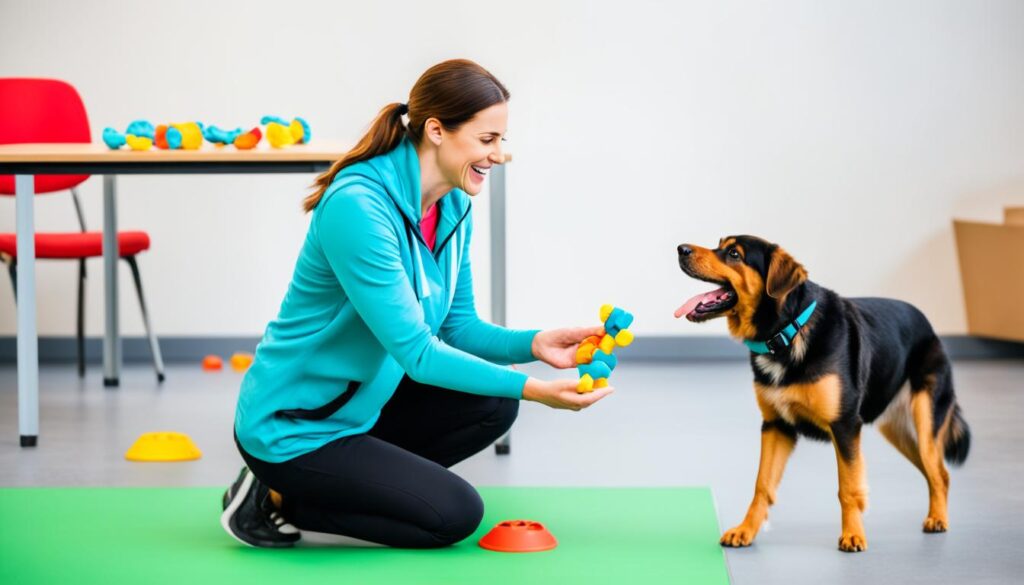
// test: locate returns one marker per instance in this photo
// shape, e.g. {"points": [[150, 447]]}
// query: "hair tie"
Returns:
{"points": [[403, 109]]}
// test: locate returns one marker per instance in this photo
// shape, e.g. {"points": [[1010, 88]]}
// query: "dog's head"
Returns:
{"points": [[748, 271]]}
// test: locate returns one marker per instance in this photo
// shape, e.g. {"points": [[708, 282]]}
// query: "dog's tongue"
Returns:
{"points": [[708, 297]]}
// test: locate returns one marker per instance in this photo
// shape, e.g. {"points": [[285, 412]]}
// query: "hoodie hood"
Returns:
{"points": [[398, 172]]}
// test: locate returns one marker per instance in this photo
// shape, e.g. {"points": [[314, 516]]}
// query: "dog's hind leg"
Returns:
{"points": [[938, 424], [897, 426], [922, 407]]}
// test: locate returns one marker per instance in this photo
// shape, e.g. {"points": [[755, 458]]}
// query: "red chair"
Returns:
{"points": [[48, 110]]}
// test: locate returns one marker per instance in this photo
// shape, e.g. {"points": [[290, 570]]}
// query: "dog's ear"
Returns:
{"points": [[784, 274]]}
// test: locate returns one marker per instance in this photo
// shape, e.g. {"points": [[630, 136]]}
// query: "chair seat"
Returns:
{"points": [[77, 244]]}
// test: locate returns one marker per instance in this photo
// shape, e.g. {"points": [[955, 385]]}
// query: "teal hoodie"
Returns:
{"points": [[368, 303]]}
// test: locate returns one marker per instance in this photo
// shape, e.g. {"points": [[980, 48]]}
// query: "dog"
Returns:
{"points": [[825, 365]]}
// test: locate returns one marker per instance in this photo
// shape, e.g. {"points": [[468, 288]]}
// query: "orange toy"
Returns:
{"points": [[160, 140], [518, 536], [248, 140], [213, 363], [241, 361]]}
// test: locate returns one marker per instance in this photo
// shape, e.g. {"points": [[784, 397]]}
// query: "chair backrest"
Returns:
{"points": [[40, 111]]}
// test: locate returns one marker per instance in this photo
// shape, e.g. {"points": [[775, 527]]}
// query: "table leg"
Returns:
{"points": [[111, 254], [28, 337], [498, 271]]}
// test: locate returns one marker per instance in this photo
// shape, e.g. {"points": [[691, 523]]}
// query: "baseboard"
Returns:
{"points": [[133, 349], [645, 348]]}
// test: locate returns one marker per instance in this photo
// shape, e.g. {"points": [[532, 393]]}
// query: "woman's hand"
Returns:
{"points": [[562, 394], [557, 347]]}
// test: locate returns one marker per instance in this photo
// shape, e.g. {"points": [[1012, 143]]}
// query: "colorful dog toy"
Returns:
{"points": [[167, 137], [249, 139], [219, 136], [281, 133], [113, 139], [141, 135], [594, 358], [191, 134], [138, 142], [187, 135], [138, 136], [241, 140]]}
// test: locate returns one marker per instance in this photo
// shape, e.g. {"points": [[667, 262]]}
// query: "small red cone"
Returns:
{"points": [[519, 536]]}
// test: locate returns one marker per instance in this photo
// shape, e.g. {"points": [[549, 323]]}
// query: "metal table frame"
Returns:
{"points": [[27, 340]]}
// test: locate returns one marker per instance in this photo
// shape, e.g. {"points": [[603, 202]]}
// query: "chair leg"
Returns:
{"points": [[81, 317], [158, 362], [504, 444], [12, 269]]}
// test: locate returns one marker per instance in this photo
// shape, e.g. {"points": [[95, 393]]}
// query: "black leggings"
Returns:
{"points": [[391, 485]]}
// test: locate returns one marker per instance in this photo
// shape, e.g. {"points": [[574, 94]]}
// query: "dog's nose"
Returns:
{"points": [[684, 250]]}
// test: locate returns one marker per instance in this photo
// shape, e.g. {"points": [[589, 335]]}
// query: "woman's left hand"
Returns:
{"points": [[557, 347]]}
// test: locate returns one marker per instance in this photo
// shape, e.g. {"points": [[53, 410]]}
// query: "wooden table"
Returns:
{"points": [[27, 160]]}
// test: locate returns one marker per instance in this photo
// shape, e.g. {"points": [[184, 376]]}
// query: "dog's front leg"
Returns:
{"points": [[853, 489], [777, 442]]}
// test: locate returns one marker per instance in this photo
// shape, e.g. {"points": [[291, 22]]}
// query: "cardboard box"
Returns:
{"points": [[992, 272], [1013, 215]]}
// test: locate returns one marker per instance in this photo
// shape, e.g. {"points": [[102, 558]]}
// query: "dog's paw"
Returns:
{"points": [[741, 535], [853, 542], [934, 524]]}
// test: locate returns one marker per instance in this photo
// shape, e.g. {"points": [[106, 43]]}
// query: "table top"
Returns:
{"points": [[316, 151], [95, 158]]}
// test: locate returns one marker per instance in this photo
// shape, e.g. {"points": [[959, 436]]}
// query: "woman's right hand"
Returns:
{"points": [[562, 393]]}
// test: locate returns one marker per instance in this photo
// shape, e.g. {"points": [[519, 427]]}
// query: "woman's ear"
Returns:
{"points": [[432, 130], [784, 274]]}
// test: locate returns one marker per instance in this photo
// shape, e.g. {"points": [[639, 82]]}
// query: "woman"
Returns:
{"points": [[377, 374]]}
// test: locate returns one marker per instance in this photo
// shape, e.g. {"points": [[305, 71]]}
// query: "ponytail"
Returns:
{"points": [[384, 135]]}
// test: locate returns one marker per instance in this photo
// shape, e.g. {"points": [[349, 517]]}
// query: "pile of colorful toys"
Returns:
{"points": [[142, 135], [595, 358]]}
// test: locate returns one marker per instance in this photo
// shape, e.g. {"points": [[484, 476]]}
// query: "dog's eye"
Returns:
{"points": [[734, 254]]}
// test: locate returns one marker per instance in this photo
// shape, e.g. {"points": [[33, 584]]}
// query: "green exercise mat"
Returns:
{"points": [[110, 536]]}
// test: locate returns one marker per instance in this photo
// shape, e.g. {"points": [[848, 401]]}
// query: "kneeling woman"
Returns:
{"points": [[377, 374]]}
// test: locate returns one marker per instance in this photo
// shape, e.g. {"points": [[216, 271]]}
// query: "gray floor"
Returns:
{"points": [[667, 425]]}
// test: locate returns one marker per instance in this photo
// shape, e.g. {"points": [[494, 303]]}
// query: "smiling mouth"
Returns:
{"points": [[708, 305], [482, 171]]}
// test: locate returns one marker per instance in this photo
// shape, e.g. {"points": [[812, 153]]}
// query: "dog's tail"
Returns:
{"points": [[958, 439]]}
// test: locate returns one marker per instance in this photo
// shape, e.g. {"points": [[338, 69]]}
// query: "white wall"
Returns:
{"points": [[850, 132]]}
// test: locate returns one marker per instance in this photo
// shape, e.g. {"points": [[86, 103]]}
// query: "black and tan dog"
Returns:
{"points": [[823, 366]]}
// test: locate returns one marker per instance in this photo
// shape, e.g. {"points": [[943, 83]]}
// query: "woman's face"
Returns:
{"points": [[467, 154]]}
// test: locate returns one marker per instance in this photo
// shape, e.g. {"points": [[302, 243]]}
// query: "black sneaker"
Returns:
{"points": [[251, 518]]}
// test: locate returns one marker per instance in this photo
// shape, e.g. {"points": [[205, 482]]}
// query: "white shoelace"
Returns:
{"points": [[282, 525]]}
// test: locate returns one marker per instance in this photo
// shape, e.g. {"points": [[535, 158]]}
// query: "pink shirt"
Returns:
{"points": [[428, 226]]}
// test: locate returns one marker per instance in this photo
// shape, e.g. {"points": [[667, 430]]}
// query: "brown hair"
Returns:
{"points": [[452, 91]]}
